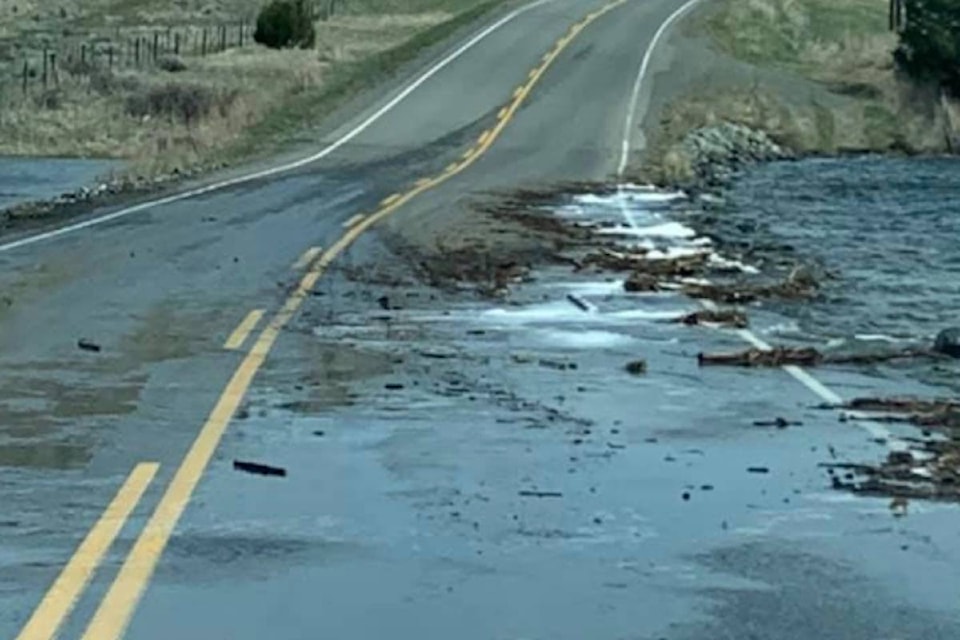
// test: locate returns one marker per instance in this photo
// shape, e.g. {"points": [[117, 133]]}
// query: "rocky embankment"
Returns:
{"points": [[100, 193], [708, 158]]}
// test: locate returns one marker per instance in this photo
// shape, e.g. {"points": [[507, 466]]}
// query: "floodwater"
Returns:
{"points": [[887, 228], [26, 179]]}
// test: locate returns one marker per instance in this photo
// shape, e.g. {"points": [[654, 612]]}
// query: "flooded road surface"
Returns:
{"points": [[26, 179], [884, 230], [491, 470], [887, 228], [443, 464]]}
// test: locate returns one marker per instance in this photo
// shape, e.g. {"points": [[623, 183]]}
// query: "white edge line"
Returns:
{"points": [[283, 168], [800, 375], [641, 75]]}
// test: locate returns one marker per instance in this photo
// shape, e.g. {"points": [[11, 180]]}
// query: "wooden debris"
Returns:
{"points": [[724, 294], [803, 356], [88, 345], [778, 422], [679, 267], [579, 302], [616, 260], [638, 261], [259, 469], [903, 405], [636, 367], [778, 357], [726, 317], [540, 494], [799, 285], [642, 282]]}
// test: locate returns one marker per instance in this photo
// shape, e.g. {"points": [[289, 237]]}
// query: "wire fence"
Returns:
{"points": [[45, 67]]}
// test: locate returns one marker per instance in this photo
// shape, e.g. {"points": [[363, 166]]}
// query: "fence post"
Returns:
{"points": [[53, 68], [110, 56], [136, 52], [45, 70], [223, 37], [176, 44], [156, 43], [26, 73], [203, 47]]}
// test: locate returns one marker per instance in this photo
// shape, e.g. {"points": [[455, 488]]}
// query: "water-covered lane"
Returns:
{"points": [[887, 228]]}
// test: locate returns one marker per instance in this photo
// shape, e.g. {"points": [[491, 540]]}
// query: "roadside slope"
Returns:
{"points": [[818, 77]]}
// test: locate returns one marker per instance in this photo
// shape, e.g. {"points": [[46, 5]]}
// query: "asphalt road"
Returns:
{"points": [[403, 510]]}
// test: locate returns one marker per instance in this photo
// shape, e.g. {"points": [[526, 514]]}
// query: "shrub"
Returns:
{"points": [[50, 99], [286, 23], [929, 48], [171, 64], [185, 102]]}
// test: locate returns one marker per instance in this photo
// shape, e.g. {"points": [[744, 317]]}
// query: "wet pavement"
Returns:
{"points": [[28, 179], [453, 464], [491, 470]]}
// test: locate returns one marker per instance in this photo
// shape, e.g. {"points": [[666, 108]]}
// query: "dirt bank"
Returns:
{"points": [[817, 77]]}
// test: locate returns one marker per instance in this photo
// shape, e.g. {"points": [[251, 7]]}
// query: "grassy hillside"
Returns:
{"points": [[195, 110], [818, 75]]}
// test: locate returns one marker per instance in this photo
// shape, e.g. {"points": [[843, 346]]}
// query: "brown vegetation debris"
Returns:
{"points": [[726, 317]]}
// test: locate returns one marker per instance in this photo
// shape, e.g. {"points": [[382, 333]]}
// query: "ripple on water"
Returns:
{"points": [[889, 227]]}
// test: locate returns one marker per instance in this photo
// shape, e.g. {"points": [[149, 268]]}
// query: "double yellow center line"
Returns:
{"points": [[117, 607]]}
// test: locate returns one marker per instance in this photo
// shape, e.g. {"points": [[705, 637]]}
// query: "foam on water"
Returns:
{"points": [[645, 225], [665, 230], [725, 263], [876, 337], [559, 311], [598, 288], [582, 339], [646, 314], [562, 312], [674, 252]]}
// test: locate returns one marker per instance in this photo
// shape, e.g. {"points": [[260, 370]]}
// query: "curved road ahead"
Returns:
{"points": [[228, 325]]}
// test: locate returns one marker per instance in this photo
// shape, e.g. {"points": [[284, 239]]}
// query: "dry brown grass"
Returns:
{"points": [[225, 106], [138, 115]]}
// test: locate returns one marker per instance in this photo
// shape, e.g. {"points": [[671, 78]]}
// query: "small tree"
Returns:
{"points": [[930, 43], [286, 23]]}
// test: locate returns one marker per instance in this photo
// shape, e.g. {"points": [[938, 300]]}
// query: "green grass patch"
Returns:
{"points": [[788, 31], [881, 126]]}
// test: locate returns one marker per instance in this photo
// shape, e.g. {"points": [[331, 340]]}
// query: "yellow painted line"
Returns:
{"points": [[389, 199], [502, 113], [533, 73], [239, 335], [483, 137], [421, 182], [115, 611], [469, 153], [308, 256], [452, 167], [353, 220], [66, 589], [518, 92]]}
